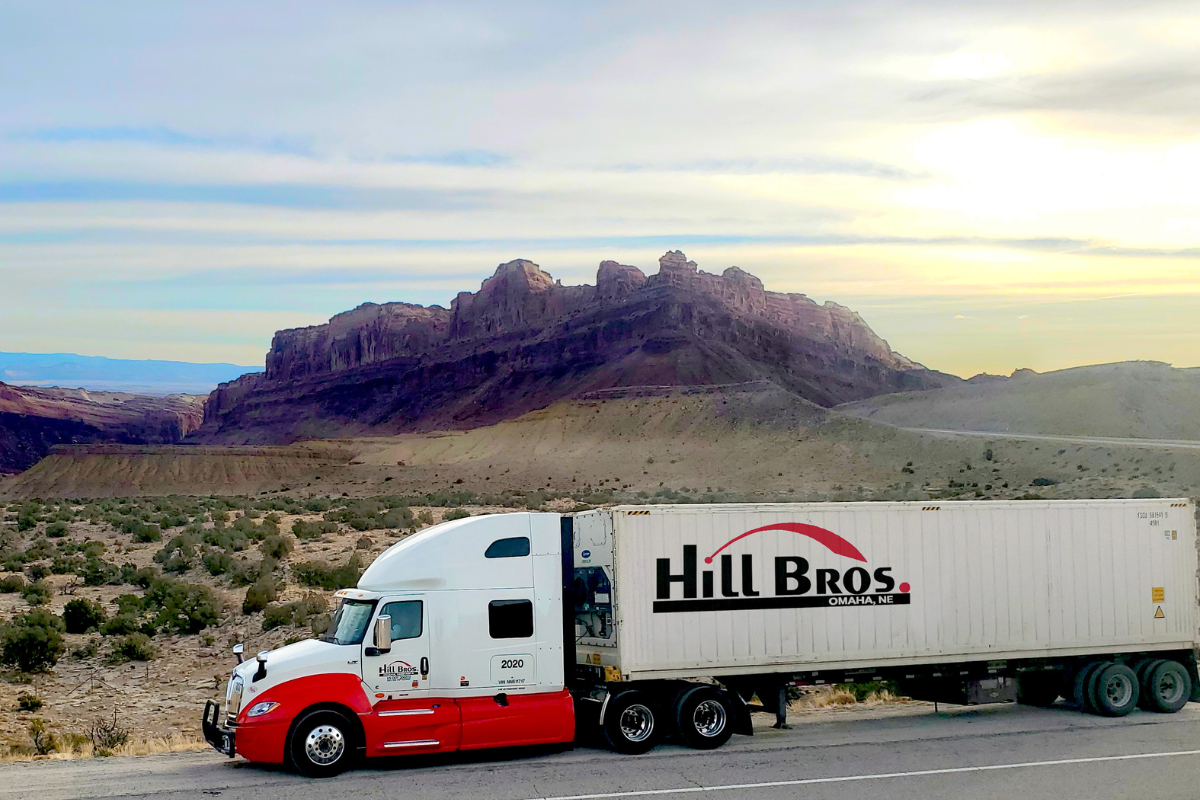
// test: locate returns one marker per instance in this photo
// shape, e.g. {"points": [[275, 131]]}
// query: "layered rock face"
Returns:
{"points": [[524, 341], [33, 420]]}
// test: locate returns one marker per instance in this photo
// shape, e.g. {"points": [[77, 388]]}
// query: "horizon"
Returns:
{"points": [[991, 187]]}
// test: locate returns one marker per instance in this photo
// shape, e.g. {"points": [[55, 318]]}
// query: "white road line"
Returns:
{"points": [[873, 777]]}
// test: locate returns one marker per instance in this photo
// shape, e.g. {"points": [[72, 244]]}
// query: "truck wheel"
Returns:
{"points": [[1089, 686], [1115, 690], [321, 744], [631, 724], [1038, 690], [1080, 685], [704, 718], [1169, 687], [1143, 674]]}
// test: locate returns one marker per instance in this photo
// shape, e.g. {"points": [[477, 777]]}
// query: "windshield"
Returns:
{"points": [[350, 622]]}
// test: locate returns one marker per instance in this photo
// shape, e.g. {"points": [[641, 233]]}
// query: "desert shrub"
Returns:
{"points": [[81, 616], [134, 647], [400, 517], [135, 576], [85, 650], [129, 604], [44, 742], [326, 576], [259, 595], [121, 625], [364, 543], [217, 563], [1043, 482], [32, 642], [97, 572], [56, 530], [227, 539], [425, 517], [182, 607], [277, 545], [37, 593], [298, 612], [1144, 492], [317, 504], [36, 572], [12, 583], [148, 533], [107, 735], [456, 513], [66, 565], [29, 702], [311, 530], [15, 561]]}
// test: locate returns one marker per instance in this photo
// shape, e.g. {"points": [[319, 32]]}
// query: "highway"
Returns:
{"points": [[984, 752], [1098, 441]]}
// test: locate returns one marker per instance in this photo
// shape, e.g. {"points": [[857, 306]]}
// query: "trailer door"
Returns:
{"points": [[407, 715]]}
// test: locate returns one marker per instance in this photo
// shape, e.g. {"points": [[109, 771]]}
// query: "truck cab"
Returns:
{"points": [[452, 640]]}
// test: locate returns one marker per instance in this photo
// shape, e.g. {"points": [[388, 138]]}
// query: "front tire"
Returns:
{"points": [[321, 744], [704, 718], [631, 724]]}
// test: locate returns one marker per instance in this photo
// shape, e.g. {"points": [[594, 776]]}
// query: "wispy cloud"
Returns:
{"points": [[808, 165]]}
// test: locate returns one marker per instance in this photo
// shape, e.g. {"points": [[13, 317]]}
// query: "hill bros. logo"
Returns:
{"points": [[398, 671], [793, 584]]}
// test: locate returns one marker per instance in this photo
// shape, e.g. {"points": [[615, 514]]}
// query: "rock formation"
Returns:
{"points": [[34, 420], [524, 341]]}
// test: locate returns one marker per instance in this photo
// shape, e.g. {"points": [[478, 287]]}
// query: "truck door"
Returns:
{"points": [[407, 715]]}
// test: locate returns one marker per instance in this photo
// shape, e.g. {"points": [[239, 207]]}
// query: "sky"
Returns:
{"points": [[991, 185]]}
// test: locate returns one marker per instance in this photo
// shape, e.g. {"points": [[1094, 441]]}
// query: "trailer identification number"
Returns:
{"points": [[512, 670]]}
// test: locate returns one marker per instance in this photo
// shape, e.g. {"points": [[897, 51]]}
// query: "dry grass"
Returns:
{"points": [[175, 743]]}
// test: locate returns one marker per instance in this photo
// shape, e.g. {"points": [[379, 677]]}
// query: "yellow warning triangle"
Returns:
{"points": [[1158, 614]]}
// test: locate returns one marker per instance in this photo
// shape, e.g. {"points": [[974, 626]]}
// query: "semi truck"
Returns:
{"points": [[640, 622]]}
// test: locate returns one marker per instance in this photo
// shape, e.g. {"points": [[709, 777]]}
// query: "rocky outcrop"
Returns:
{"points": [[524, 340], [34, 420]]}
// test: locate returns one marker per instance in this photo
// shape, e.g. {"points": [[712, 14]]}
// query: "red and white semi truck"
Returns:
{"points": [[640, 622]]}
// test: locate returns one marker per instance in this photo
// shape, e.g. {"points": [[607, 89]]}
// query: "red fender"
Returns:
{"points": [[264, 738]]}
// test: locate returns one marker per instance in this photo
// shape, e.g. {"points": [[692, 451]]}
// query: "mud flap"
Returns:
{"points": [[741, 713]]}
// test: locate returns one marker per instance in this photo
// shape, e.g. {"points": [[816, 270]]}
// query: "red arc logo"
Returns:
{"points": [[831, 540]]}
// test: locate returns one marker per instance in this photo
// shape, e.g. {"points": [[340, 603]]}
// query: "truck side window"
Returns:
{"points": [[508, 548], [406, 619], [510, 619]]}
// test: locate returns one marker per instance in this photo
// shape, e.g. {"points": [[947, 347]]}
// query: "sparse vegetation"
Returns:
{"points": [[32, 642], [82, 615]]}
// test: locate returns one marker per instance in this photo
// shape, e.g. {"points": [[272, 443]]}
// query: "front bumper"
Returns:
{"points": [[222, 739]]}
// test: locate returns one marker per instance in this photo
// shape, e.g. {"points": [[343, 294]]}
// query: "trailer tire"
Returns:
{"points": [[1079, 691], [1089, 687], [703, 718], [1115, 690], [631, 724], [1169, 687], [1143, 674], [1038, 690], [322, 744]]}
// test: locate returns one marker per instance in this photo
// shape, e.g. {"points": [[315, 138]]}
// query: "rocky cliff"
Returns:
{"points": [[33, 420], [524, 340]]}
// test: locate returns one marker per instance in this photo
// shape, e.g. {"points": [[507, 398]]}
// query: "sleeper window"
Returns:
{"points": [[510, 619], [406, 619], [508, 548]]}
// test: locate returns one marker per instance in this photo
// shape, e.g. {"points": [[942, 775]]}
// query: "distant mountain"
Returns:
{"points": [[524, 341], [34, 420], [71, 371], [1131, 399]]}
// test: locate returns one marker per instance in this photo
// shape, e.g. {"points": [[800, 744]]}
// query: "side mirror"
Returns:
{"points": [[261, 658], [383, 633], [238, 649]]}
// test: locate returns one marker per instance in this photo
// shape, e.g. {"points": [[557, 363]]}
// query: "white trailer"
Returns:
{"points": [[650, 621]]}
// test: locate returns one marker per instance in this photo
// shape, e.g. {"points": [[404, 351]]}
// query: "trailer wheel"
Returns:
{"points": [[631, 724], [321, 744], [1169, 687], [1038, 690], [1115, 690], [1079, 691], [704, 718], [1143, 674], [1089, 687]]}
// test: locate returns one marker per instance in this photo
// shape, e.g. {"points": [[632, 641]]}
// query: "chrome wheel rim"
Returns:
{"points": [[1119, 691], [637, 723], [709, 718], [1169, 688], [324, 745]]}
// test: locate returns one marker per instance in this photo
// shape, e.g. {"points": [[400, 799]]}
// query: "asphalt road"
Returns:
{"points": [[1157, 444], [984, 752]]}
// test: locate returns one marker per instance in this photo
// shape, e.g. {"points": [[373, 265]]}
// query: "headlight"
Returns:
{"points": [[258, 709]]}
